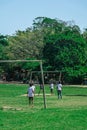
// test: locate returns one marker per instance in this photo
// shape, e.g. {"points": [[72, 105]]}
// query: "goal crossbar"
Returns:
{"points": [[41, 68]]}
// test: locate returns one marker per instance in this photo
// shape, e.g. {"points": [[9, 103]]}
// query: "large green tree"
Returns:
{"points": [[65, 53], [25, 44], [60, 44]]}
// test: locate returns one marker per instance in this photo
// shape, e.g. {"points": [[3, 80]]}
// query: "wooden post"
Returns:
{"points": [[43, 84], [40, 61], [60, 75]]}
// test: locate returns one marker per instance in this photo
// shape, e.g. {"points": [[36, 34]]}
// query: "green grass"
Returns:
{"points": [[70, 113]]}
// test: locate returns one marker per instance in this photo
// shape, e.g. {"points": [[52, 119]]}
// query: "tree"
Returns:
{"points": [[26, 44], [65, 53], [3, 44]]}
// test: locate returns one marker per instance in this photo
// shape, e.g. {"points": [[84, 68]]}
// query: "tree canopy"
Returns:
{"points": [[61, 45]]}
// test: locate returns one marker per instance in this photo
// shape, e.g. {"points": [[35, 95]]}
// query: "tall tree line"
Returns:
{"points": [[61, 45]]}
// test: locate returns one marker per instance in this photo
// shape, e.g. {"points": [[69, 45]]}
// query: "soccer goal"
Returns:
{"points": [[41, 69]]}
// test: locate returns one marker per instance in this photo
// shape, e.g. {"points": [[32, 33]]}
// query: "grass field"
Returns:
{"points": [[70, 113]]}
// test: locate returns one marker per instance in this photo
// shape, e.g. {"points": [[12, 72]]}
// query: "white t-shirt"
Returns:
{"points": [[51, 85], [31, 92], [33, 87], [59, 86]]}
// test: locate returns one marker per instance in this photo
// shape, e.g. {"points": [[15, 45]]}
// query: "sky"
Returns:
{"points": [[19, 14]]}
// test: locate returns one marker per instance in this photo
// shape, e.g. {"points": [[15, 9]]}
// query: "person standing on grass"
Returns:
{"points": [[33, 87], [30, 93], [59, 90], [51, 88], [41, 88]]}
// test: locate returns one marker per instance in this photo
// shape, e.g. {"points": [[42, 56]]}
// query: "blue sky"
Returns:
{"points": [[19, 14]]}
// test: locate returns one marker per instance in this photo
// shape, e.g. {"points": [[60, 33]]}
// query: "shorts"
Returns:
{"points": [[31, 98]]}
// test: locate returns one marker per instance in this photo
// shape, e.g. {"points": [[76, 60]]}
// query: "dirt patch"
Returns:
{"points": [[10, 108], [82, 86], [47, 94]]}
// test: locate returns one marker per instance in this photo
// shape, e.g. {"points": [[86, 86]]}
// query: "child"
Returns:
{"points": [[59, 90], [51, 88], [30, 93], [41, 88]]}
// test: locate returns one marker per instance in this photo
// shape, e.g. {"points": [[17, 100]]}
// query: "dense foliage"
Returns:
{"points": [[61, 45]]}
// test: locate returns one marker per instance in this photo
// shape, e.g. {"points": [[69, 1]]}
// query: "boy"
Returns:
{"points": [[59, 90], [30, 93]]}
